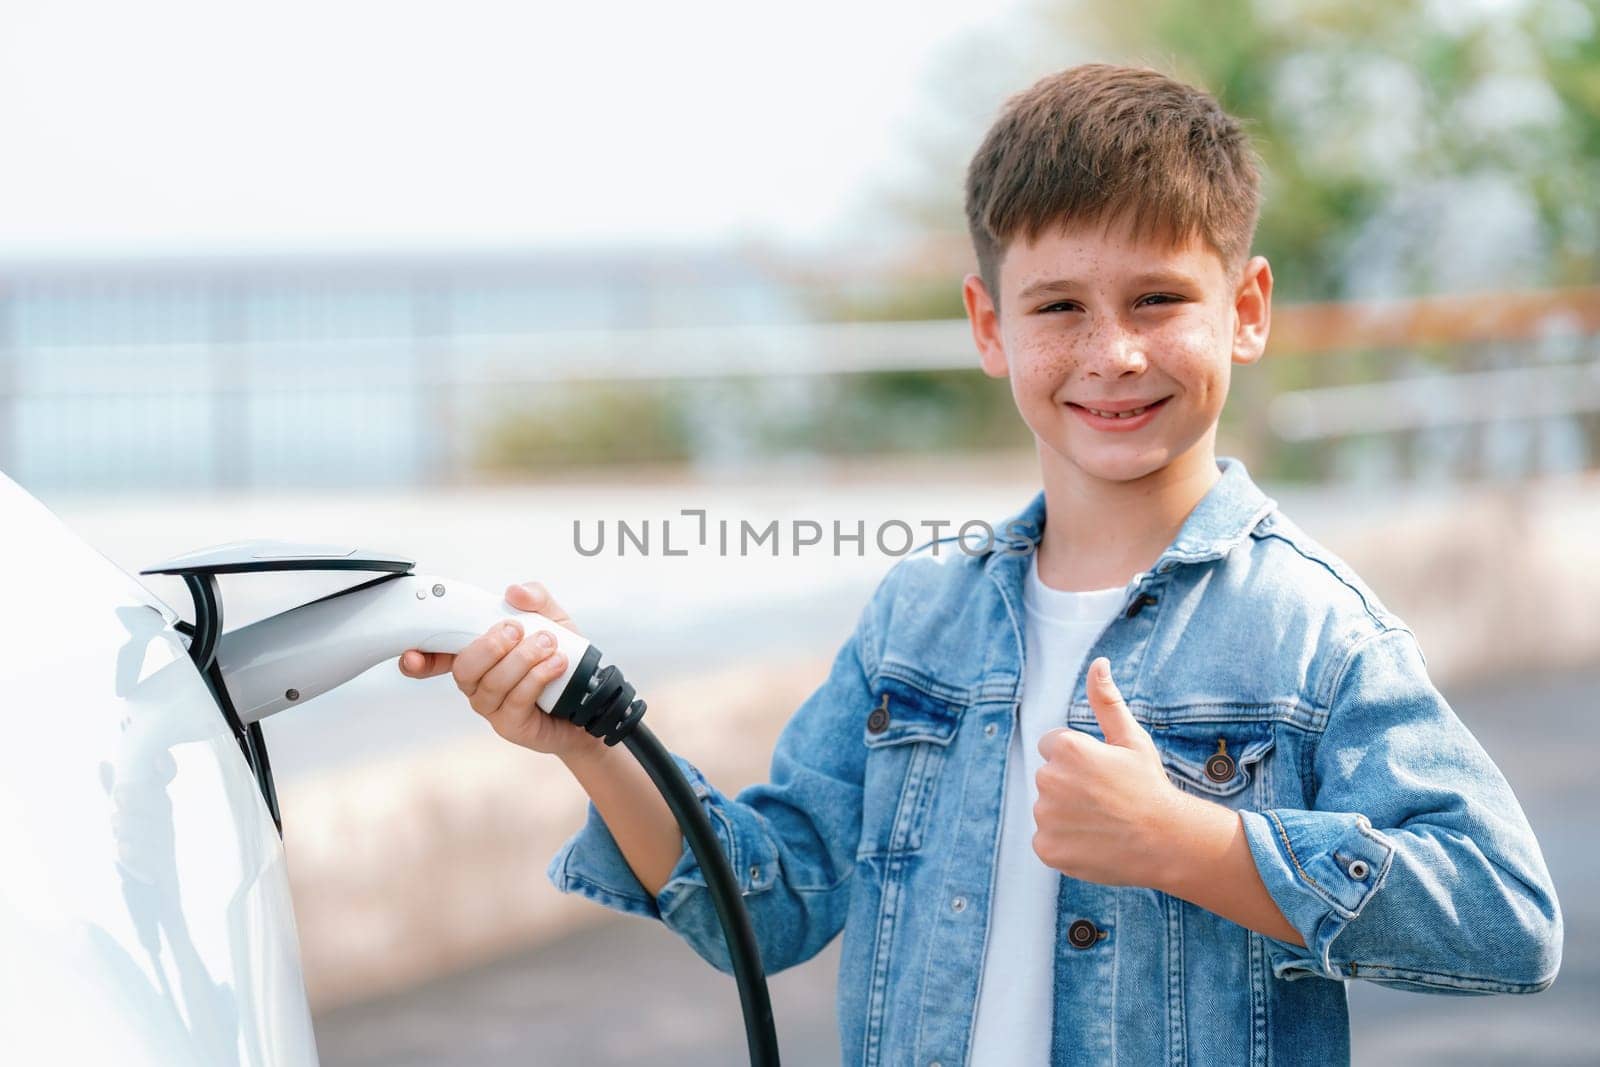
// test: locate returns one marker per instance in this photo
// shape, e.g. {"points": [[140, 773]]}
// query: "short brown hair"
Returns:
{"points": [[1097, 143]]}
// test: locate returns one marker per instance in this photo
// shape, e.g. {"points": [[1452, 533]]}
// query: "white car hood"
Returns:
{"points": [[144, 906]]}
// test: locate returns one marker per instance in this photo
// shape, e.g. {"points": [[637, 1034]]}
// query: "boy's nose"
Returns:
{"points": [[1119, 354]]}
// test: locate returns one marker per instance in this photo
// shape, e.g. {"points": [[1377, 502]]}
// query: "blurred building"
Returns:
{"points": [[402, 371], [314, 371]]}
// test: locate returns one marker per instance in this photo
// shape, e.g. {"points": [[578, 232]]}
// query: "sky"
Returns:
{"points": [[209, 125]]}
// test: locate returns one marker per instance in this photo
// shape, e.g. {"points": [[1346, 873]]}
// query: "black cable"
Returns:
{"points": [[736, 929], [602, 703]]}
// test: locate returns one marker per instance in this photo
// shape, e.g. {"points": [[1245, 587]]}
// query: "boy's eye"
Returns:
{"points": [[1149, 299]]}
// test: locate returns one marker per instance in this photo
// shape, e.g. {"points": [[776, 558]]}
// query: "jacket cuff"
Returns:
{"points": [[1321, 868], [591, 865], [754, 863]]}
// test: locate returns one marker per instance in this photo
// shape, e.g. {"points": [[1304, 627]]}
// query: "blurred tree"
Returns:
{"points": [[1410, 146]]}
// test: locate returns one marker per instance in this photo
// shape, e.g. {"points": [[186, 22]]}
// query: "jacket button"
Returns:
{"points": [[1219, 765], [1145, 600], [1358, 870], [878, 721], [1083, 933]]}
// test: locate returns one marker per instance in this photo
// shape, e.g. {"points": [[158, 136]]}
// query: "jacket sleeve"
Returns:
{"points": [[791, 841], [1416, 866]]}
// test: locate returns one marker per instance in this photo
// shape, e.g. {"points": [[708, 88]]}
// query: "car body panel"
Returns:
{"points": [[145, 915]]}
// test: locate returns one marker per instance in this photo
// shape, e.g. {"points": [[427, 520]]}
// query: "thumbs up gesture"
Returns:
{"points": [[1107, 812]]}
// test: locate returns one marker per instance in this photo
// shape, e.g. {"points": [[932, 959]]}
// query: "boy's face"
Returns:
{"points": [[1090, 317]]}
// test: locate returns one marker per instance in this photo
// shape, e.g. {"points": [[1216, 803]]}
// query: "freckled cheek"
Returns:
{"points": [[1040, 366], [1191, 358]]}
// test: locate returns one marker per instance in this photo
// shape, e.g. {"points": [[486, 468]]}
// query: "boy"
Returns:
{"points": [[1030, 861]]}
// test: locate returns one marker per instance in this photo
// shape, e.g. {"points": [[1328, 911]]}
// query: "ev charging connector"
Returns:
{"points": [[294, 656]]}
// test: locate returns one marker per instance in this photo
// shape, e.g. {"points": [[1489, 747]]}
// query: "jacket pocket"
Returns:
{"points": [[1220, 760], [906, 733]]}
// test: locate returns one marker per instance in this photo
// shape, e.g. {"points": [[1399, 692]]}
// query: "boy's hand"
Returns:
{"points": [[1106, 809], [503, 672]]}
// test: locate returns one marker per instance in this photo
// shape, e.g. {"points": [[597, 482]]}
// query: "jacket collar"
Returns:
{"points": [[1225, 516]]}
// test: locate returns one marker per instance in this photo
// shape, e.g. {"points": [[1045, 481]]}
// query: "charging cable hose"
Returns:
{"points": [[289, 658], [601, 702]]}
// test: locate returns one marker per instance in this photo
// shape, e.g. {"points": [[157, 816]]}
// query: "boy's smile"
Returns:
{"points": [[1119, 347]]}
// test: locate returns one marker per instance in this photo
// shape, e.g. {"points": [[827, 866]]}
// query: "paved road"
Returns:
{"points": [[627, 992]]}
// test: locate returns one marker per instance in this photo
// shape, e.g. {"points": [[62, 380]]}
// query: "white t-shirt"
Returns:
{"points": [[1016, 997]]}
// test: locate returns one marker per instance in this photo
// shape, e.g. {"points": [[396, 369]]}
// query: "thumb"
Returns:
{"points": [[417, 664], [533, 596], [530, 596], [1111, 711]]}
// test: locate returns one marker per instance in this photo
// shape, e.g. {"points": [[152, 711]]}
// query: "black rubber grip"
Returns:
{"points": [[600, 700]]}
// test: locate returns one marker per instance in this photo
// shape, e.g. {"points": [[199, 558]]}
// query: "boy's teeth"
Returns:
{"points": [[1124, 415]]}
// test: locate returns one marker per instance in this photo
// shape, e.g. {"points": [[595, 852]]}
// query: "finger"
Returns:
{"points": [[1055, 742], [474, 661], [498, 682], [521, 704], [418, 664], [1044, 846], [1042, 814], [1110, 710], [533, 596]]}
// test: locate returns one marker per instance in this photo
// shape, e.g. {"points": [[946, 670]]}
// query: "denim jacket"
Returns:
{"points": [[1381, 828]]}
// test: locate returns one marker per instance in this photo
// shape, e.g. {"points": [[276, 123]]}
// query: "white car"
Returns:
{"points": [[145, 915]]}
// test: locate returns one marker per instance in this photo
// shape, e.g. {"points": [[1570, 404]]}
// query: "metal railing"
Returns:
{"points": [[1340, 380]]}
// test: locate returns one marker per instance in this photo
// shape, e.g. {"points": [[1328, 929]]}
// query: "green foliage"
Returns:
{"points": [[587, 424], [592, 425], [913, 300], [1377, 122], [921, 411]]}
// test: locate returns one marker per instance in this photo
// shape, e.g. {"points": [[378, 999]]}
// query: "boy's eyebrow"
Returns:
{"points": [[1049, 285], [1174, 278]]}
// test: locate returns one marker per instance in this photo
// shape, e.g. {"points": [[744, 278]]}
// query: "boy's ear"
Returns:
{"points": [[1252, 307], [985, 322]]}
